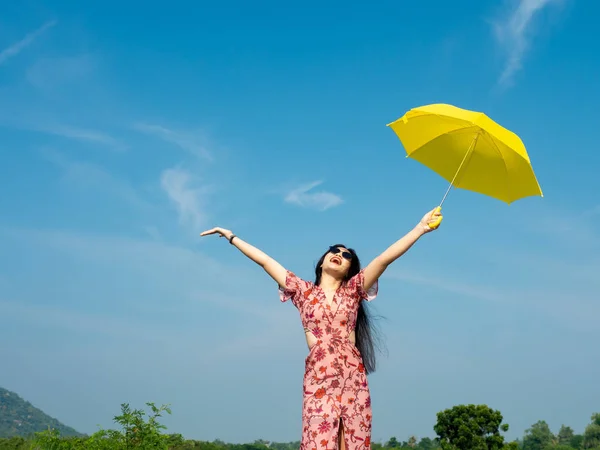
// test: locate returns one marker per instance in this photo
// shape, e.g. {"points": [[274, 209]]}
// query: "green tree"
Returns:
{"points": [[392, 443], [565, 435], [52, 440], [470, 427], [139, 433], [591, 436], [427, 444], [577, 441], [538, 436], [15, 443]]}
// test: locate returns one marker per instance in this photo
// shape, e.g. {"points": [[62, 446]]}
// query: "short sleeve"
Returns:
{"points": [[356, 285], [294, 290]]}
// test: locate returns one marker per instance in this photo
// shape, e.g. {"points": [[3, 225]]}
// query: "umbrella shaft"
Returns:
{"points": [[471, 148]]}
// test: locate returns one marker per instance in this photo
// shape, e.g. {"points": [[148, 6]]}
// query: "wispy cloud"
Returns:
{"points": [[320, 200], [81, 134], [554, 288], [144, 331], [455, 287], [514, 33], [88, 175], [592, 212], [154, 269], [572, 229], [189, 200], [18, 47], [193, 143], [50, 73], [47, 315], [43, 124]]}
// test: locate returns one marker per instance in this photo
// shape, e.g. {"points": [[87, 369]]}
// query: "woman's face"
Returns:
{"points": [[337, 261]]}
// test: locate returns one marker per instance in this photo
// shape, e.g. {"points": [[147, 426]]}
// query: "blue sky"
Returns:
{"points": [[126, 129]]}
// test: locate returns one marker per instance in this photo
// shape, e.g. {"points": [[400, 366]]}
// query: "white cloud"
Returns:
{"points": [[154, 280], [43, 124], [568, 228], [47, 315], [193, 143], [18, 47], [80, 134], [63, 82], [592, 212], [448, 285], [555, 289], [47, 73], [188, 200], [321, 200], [88, 175], [514, 34], [153, 232]]}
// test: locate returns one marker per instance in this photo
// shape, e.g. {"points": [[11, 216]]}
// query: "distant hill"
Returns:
{"points": [[20, 418]]}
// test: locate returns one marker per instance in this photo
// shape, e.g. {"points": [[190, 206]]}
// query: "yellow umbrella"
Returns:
{"points": [[469, 150]]}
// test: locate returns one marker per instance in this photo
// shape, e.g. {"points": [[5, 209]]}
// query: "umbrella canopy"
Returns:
{"points": [[469, 150]]}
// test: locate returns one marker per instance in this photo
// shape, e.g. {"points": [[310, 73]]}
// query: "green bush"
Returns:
{"points": [[137, 431]]}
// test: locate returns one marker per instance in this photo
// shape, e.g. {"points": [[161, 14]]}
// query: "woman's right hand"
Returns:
{"points": [[272, 267], [222, 232]]}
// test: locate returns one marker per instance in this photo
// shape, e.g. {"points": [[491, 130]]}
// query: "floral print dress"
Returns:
{"points": [[335, 383]]}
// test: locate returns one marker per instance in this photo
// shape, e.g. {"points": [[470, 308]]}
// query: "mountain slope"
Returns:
{"points": [[20, 418]]}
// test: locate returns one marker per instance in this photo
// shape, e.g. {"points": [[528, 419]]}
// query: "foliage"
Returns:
{"points": [[473, 427], [577, 441], [136, 433], [470, 427], [412, 443], [538, 437], [15, 443], [565, 436], [20, 418], [591, 436]]}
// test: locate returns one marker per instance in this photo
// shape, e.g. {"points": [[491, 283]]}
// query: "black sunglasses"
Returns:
{"points": [[335, 250]]}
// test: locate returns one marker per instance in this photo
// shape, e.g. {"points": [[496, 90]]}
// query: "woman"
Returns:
{"points": [[336, 407]]}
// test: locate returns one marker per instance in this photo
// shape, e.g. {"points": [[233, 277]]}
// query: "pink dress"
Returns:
{"points": [[335, 382]]}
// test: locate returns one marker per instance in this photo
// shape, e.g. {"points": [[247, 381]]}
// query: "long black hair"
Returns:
{"points": [[365, 332]]}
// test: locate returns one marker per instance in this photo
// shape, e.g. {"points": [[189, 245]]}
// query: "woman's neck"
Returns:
{"points": [[329, 283]]}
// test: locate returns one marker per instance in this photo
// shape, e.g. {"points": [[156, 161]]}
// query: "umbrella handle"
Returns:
{"points": [[436, 223]]}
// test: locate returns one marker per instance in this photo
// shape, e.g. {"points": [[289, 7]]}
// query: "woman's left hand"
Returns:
{"points": [[431, 221]]}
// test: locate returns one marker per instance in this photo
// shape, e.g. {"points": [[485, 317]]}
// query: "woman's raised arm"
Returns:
{"points": [[272, 267], [428, 223]]}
